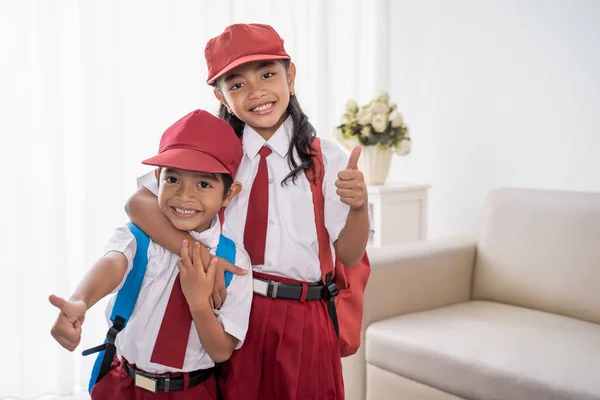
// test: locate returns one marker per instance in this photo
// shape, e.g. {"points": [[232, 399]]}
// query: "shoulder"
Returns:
{"points": [[122, 234], [333, 154], [122, 241]]}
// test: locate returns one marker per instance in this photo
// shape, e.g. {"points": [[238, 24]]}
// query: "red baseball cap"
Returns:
{"points": [[199, 142], [240, 44]]}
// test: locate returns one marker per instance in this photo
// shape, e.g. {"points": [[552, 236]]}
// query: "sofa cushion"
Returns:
{"points": [[539, 249], [487, 350]]}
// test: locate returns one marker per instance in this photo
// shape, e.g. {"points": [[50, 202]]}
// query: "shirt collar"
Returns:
{"points": [[210, 237], [279, 142]]}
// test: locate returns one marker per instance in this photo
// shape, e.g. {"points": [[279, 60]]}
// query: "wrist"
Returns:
{"points": [[201, 307], [79, 299], [362, 208]]}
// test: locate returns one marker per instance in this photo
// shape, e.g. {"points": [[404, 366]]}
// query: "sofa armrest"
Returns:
{"points": [[409, 278]]}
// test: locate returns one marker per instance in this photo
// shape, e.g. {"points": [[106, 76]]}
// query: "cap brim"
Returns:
{"points": [[189, 160], [245, 60]]}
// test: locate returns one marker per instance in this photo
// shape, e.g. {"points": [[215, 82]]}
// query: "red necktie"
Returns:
{"points": [[255, 232], [172, 339]]}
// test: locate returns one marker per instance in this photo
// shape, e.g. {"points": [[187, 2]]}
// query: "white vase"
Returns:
{"points": [[374, 162]]}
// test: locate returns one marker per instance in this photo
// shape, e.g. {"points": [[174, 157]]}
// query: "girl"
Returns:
{"points": [[291, 349]]}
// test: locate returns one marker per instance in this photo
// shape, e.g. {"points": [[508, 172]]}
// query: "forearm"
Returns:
{"points": [[218, 344], [142, 209], [352, 241], [102, 279]]}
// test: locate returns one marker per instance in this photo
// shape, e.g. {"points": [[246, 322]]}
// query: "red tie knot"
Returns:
{"points": [[265, 151]]}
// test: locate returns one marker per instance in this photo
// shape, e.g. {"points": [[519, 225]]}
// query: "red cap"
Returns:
{"points": [[199, 142], [240, 44]]}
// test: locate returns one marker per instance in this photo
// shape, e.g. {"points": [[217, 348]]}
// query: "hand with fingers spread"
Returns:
{"points": [[67, 328], [219, 292], [350, 184], [196, 283]]}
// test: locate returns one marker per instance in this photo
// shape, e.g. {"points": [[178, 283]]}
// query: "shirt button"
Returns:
{"points": [[270, 180], [268, 264], [271, 222]]}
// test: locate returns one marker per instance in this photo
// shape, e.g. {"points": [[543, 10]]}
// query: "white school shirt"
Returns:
{"points": [[292, 249], [136, 341]]}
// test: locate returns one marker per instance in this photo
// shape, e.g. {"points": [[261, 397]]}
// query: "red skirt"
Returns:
{"points": [[291, 352], [117, 385]]}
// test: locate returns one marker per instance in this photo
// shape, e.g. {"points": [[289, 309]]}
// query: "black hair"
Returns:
{"points": [[227, 182], [302, 135], [223, 177]]}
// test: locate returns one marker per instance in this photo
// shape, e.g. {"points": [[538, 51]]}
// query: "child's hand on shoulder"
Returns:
{"points": [[67, 328], [350, 184], [197, 285]]}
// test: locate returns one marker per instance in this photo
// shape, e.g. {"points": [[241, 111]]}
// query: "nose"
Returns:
{"points": [[256, 90], [185, 192]]}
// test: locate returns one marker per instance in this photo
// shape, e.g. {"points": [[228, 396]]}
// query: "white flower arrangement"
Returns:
{"points": [[375, 124]]}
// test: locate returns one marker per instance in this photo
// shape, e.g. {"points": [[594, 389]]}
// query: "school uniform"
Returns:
{"points": [[291, 350], [135, 343]]}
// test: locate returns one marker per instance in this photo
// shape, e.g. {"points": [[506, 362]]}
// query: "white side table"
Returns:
{"points": [[399, 212]]}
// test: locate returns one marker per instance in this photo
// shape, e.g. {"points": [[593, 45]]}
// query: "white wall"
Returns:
{"points": [[497, 93]]}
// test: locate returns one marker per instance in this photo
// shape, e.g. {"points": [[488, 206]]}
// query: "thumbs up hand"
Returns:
{"points": [[350, 184], [67, 328]]}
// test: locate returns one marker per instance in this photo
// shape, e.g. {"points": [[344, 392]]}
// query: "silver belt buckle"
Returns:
{"points": [[260, 287], [275, 288], [146, 383]]}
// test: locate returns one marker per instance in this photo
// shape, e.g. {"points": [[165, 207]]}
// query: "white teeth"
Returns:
{"points": [[182, 211], [263, 107]]}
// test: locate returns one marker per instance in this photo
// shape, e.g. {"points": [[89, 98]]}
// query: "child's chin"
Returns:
{"points": [[185, 225]]}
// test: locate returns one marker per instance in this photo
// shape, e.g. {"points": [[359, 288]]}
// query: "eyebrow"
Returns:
{"points": [[258, 67], [198, 175], [207, 175], [171, 171]]}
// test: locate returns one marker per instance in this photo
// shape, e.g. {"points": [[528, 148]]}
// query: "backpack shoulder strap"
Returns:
{"points": [[325, 257], [122, 308], [128, 294], [226, 249], [316, 186]]}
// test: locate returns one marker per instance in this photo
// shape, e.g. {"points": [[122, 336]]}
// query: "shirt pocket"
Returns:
{"points": [[299, 216]]}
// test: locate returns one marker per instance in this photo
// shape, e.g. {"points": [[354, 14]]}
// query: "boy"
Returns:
{"points": [[198, 158]]}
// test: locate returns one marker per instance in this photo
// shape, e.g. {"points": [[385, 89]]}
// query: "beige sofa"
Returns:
{"points": [[514, 314]]}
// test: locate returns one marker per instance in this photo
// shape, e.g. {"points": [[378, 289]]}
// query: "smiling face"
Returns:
{"points": [[258, 93], [191, 200]]}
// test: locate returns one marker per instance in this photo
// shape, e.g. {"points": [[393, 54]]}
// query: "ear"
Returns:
{"points": [[222, 100], [291, 76], [234, 190]]}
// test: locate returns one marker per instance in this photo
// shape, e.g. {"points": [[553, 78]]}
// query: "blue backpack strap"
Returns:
{"points": [[123, 307], [128, 294], [226, 249]]}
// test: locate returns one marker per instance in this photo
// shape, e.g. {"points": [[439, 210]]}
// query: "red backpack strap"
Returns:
{"points": [[325, 257], [316, 186]]}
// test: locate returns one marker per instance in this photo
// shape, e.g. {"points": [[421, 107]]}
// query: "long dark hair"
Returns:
{"points": [[302, 136]]}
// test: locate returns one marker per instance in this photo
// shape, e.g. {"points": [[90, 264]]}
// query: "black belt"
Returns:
{"points": [[290, 291], [164, 382]]}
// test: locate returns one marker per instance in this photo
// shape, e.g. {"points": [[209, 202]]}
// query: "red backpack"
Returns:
{"points": [[346, 285]]}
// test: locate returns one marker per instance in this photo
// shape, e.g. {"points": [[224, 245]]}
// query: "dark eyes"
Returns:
{"points": [[239, 85], [202, 184]]}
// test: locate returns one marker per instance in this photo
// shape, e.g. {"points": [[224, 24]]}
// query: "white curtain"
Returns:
{"points": [[86, 90]]}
